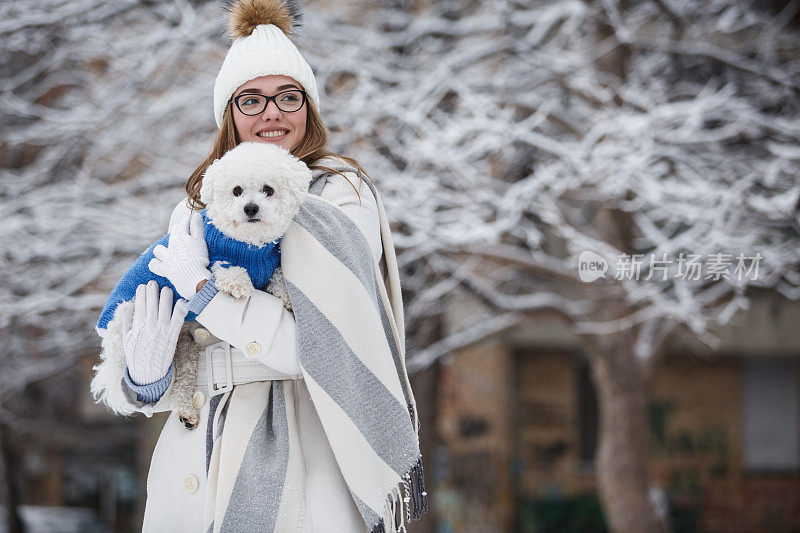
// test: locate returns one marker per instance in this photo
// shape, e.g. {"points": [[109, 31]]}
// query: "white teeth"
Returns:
{"points": [[276, 133]]}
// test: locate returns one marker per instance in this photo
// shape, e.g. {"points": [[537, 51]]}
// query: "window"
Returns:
{"points": [[771, 414]]}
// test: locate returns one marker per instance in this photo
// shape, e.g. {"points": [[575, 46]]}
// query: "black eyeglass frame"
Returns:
{"points": [[270, 98]]}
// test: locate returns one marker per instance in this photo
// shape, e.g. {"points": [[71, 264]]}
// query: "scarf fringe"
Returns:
{"points": [[413, 485]]}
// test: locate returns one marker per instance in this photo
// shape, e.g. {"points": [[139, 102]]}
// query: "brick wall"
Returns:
{"points": [[510, 427]]}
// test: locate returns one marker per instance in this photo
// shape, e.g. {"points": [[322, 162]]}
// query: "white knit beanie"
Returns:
{"points": [[260, 31]]}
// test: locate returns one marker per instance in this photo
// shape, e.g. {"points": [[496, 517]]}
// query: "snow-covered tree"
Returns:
{"points": [[506, 138], [664, 133]]}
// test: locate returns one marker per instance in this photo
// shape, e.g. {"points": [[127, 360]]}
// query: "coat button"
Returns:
{"points": [[198, 400], [202, 334], [253, 348], [191, 483]]}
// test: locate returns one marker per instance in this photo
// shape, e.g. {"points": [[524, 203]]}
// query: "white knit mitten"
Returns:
{"points": [[185, 261], [150, 335]]}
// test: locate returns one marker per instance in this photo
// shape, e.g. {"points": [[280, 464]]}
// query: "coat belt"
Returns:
{"points": [[229, 367]]}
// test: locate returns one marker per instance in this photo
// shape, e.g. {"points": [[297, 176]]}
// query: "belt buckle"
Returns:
{"points": [[213, 388]]}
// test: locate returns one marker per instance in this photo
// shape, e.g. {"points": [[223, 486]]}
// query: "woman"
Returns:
{"points": [[290, 439]]}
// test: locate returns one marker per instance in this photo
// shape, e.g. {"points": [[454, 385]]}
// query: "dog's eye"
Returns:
{"points": [[269, 191], [237, 191]]}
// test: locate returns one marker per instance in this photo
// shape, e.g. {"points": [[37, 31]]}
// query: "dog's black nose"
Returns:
{"points": [[251, 209]]}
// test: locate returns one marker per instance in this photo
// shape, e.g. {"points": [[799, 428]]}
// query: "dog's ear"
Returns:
{"points": [[300, 195], [299, 181], [207, 184]]}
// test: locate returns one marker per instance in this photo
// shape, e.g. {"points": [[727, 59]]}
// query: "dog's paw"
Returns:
{"points": [[234, 281], [190, 420], [287, 303], [277, 288], [220, 265]]}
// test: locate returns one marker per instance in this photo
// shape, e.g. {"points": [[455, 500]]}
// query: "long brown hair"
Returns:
{"points": [[312, 148]]}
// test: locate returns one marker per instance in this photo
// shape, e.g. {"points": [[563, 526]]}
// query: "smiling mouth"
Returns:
{"points": [[253, 220], [272, 135]]}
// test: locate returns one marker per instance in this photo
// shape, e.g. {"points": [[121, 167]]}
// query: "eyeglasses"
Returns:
{"points": [[255, 104]]}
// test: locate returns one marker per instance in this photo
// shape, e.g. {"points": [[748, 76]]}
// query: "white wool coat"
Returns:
{"points": [[176, 480]]}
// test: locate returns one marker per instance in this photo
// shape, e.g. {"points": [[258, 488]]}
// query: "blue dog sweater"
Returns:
{"points": [[259, 261]]}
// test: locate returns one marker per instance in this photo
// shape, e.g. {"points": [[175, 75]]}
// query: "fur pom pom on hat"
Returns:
{"points": [[260, 30], [245, 15]]}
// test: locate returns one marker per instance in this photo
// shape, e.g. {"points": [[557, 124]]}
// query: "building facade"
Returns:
{"points": [[517, 423]]}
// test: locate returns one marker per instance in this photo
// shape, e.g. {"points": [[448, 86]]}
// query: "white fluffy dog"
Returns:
{"points": [[251, 193]]}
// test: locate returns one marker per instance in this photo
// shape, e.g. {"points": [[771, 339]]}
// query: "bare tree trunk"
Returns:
{"points": [[9, 488], [622, 458]]}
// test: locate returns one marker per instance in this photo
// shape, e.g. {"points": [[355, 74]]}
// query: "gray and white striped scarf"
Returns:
{"points": [[351, 347]]}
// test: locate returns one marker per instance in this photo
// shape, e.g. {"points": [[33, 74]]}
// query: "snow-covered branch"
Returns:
{"points": [[489, 128]]}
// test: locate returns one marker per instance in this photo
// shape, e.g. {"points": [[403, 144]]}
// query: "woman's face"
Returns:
{"points": [[291, 127]]}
